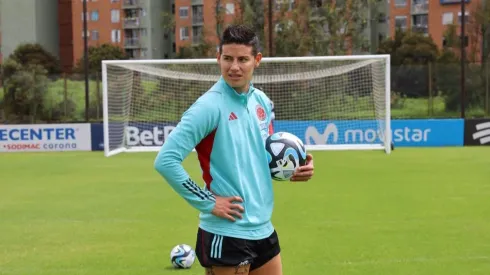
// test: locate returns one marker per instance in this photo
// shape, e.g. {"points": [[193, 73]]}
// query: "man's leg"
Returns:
{"points": [[268, 261], [272, 267], [238, 270]]}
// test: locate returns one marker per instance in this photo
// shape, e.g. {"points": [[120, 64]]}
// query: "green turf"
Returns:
{"points": [[417, 211]]}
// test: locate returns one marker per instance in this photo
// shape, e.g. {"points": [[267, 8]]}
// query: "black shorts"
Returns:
{"points": [[217, 250]]}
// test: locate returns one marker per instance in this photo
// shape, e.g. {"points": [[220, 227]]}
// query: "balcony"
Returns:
{"points": [[133, 23], [134, 43], [132, 4], [196, 39], [420, 28], [197, 20], [136, 53], [420, 8]]}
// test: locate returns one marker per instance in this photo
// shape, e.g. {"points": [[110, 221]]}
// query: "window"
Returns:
{"points": [[184, 12], [230, 8], [400, 3], [381, 37], [184, 33], [116, 36], [115, 14], [88, 33], [401, 22], [466, 17], [280, 4], [95, 15], [382, 17], [447, 18], [95, 35], [420, 20]]}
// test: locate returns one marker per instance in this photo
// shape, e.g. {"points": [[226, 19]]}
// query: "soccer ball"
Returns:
{"points": [[182, 256], [285, 153]]}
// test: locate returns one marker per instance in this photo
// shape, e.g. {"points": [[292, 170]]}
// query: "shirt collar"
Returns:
{"points": [[230, 89]]}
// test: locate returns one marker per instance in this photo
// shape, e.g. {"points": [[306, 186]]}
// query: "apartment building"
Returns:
{"points": [[104, 24], [430, 17], [24, 21], [195, 18], [134, 25], [143, 30]]}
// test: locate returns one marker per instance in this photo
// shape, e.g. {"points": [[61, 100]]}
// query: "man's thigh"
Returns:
{"points": [[268, 258], [222, 255], [272, 267]]}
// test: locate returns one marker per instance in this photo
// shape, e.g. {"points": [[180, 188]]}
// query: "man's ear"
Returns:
{"points": [[218, 57], [258, 57]]}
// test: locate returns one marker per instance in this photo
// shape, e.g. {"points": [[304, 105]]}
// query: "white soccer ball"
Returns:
{"points": [[182, 256], [285, 153]]}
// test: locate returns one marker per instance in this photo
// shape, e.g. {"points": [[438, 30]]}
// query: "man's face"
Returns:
{"points": [[237, 65]]}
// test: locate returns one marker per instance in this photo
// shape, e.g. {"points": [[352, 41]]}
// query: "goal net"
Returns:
{"points": [[331, 103]]}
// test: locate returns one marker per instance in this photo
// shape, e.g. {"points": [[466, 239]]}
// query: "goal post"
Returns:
{"points": [[330, 102]]}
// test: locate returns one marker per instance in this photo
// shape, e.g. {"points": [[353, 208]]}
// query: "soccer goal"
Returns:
{"points": [[330, 102]]}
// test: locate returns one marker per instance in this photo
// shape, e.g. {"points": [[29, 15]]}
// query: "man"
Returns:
{"points": [[227, 126]]}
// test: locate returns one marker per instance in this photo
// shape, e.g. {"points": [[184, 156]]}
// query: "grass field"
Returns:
{"points": [[417, 211]]}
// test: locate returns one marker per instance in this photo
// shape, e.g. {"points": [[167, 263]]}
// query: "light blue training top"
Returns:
{"points": [[228, 131]]}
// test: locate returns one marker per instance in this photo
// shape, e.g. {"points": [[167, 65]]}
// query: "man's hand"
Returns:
{"points": [[225, 208], [305, 172]]}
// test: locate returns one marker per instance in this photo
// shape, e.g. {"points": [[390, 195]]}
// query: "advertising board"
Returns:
{"points": [[410, 132], [405, 133], [477, 132], [136, 134], [45, 137]]}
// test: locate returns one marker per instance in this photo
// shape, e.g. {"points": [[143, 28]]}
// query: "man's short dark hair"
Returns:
{"points": [[240, 34]]}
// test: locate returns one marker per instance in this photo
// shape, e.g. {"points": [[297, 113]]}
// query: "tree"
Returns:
{"points": [[321, 29], [34, 54], [476, 72], [252, 13], [26, 84], [478, 32], [411, 53], [96, 54]]}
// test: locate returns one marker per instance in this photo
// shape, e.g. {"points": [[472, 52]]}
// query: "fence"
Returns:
{"points": [[418, 92]]}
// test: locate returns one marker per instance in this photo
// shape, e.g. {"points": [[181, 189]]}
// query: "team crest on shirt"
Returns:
{"points": [[260, 112]]}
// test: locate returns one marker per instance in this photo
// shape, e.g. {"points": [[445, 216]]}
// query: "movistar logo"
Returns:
{"points": [[321, 139]]}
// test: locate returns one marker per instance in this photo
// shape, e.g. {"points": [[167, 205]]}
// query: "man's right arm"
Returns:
{"points": [[196, 123]]}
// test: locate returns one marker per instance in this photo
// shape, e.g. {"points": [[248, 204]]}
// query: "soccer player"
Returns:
{"points": [[228, 126]]}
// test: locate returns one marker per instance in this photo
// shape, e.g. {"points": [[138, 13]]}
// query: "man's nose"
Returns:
{"points": [[234, 66]]}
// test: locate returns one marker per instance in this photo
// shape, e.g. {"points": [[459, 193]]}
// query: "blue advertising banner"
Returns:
{"points": [[410, 132], [137, 134], [405, 133]]}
